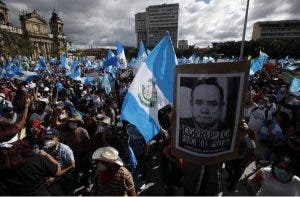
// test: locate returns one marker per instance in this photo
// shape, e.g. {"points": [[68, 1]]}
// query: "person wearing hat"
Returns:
{"points": [[112, 178], [65, 157]]}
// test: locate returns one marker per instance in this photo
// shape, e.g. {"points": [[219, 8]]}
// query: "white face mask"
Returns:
{"points": [[80, 88], [1, 99], [101, 167], [62, 116], [49, 144]]}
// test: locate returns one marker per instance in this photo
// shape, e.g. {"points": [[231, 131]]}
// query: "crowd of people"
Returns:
{"points": [[55, 139]]}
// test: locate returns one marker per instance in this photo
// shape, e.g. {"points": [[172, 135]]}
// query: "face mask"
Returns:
{"points": [[1, 99], [62, 116], [80, 88], [49, 144], [282, 89], [73, 125], [101, 167], [282, 175]]}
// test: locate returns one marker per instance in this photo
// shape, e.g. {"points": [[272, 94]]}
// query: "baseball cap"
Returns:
{"points": [[52, 133]]}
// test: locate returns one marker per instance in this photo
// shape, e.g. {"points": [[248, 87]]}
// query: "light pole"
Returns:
{"points": [[244, 31]]}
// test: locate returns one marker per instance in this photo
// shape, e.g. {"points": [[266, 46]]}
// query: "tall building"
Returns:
{"points": [[34, 28], [156, 21], [141, 27], [183, 44], [276, 29]]}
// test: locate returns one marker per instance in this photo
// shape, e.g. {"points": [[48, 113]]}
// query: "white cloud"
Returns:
{"points": [[201, 22]]}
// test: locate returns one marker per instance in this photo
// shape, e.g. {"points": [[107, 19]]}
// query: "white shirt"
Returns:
{"points": [[271, 187], [256, 119], [248, 110]]}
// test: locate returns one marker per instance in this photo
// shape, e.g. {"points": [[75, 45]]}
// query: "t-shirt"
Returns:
{"points": [[121, 182], [271, 187], [257, 117], [63, 155], [29, 179], [249, 109]]}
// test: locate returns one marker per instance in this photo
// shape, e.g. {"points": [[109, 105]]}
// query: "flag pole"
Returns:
{"points": [[244, 31]]}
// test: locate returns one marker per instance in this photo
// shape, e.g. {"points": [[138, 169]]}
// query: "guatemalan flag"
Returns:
{"points": [[151, 89], [121, 56], [142, 54]]}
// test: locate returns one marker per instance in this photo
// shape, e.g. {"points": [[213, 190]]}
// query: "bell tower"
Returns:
{"points": [[59, 45], [3, 14], [56, 25]]}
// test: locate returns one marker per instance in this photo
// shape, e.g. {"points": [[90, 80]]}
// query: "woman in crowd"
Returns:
{"points": [[279, 180]]}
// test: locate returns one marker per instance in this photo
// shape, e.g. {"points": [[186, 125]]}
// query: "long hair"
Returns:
{"points": [[13, 158]]}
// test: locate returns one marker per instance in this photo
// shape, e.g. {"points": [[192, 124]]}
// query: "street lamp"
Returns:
{"points": [[244, 31]]}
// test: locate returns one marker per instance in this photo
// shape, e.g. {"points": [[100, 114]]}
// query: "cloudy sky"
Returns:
{"points": [[102, 22]]}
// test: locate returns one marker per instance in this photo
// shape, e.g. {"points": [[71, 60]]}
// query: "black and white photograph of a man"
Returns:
{"points": [[207, 112]]}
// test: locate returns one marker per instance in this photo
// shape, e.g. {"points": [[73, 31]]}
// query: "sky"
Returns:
{"points": [[102, 22]]}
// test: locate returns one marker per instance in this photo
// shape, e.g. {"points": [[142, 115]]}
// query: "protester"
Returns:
{"points": [[111, 177], [278, 180]]}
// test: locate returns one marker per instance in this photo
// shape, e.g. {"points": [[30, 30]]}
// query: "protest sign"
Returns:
{"points": [[209, 101]]}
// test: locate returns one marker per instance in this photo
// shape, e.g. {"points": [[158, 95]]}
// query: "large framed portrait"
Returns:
{"points": [[209, 101]]}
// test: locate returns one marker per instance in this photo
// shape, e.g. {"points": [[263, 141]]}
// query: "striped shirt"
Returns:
{"points": [[120, 182]]}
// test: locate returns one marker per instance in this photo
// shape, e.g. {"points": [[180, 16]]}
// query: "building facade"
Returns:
{"points": [[97, 53], [35, 29], [183, 44], [153, 23], [276, 29]]}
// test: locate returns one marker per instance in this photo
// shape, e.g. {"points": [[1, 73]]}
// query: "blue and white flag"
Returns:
{"points": [[132, 62], [64, 62], [192, 59], [258, 63], [122, 63], [295, 85], [151, 89], [42, 64], [76, 75], [29, 76], [148, 51], [105, 84], [142, 54], [110, 54]]}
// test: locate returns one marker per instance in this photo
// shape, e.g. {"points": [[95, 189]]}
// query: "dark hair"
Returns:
{"points": [[282, 159], [209, 81]]}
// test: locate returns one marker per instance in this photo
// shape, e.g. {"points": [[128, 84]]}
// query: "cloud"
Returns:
{"points": [[201, 22]]}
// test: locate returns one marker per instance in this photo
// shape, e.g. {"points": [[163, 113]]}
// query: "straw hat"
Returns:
{"points": [[108, 154]]}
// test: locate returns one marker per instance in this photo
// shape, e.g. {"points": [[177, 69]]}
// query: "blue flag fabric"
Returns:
{"points": [[258, 63], [105, 84], [42, 64], [151, 89], [295, 85], [142, 54], [122, 63], [76, 74], [110, 54], [64, 62], [59, 86], [113, 61]]}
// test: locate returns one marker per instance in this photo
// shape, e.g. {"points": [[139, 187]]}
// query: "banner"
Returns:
{"points": [[208, 100]]}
